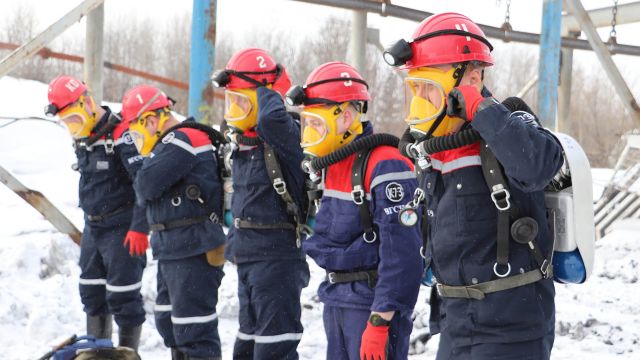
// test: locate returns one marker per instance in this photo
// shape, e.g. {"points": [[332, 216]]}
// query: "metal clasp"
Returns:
{"points": [[357, 195], [108, 146], [280, 186], [213, 217], [501, 275], [331, 277], [499, 190]]}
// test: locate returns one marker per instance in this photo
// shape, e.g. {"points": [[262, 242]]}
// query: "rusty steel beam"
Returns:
{"points": [[42, 204]]}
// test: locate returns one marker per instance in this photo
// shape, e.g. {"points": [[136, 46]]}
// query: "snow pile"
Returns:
{"points": [[40, 304]]}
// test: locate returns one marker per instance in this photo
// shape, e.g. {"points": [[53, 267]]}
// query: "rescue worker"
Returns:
{"points": [[180, 186], [489, 242], [262, 242], [110, 274], [373, 271]]}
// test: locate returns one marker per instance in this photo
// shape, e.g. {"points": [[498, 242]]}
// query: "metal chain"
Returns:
{"points": [[614, 13], [507, 14], [506, 26]]}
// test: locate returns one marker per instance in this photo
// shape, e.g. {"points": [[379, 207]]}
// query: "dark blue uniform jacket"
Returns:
{"points": [[254, 198], [338, 245], [106, 179], [463, 229], [182, 158]]}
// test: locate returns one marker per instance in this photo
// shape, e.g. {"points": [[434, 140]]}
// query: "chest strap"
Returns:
{"points": [[280, 186], [246, 224], [371, 276], [478, 291], [500, 195], [173, 224], [359, 196]]}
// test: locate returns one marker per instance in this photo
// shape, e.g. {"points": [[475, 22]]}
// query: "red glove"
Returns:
{"points": [[137, 242], [374, 342], [465, 101]]}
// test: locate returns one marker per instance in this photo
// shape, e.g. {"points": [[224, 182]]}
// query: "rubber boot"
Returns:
{"points": [[178, 355], [99, 326], [129, 336]]}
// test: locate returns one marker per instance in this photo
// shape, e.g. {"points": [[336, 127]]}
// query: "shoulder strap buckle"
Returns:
{"points": [[357, 195], [500, 196], [280, 186], [108, 146]]}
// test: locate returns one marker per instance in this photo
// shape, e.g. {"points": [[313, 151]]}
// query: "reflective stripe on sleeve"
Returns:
{"points": [[456, 164], [124, 288], [270, 339], [162, 308], [93, 281], [193, 319], [402, 175]]}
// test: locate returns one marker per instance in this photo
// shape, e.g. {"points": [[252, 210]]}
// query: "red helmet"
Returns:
{"points": [[142, 98], [250, 68], [255, 63], [64, 90], [334, 81], [445, 38]]}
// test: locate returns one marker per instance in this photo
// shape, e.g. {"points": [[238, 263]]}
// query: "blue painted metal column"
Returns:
{"points": [[549, 62], [203, 40]]}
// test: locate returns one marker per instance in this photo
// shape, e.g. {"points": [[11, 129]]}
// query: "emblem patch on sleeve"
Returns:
{"points": [[394, 192]]}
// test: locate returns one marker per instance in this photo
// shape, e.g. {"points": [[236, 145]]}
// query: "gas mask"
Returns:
{"points": [[320, 129], [426, 92], [240, 109], [141, 136], [77, 120]]}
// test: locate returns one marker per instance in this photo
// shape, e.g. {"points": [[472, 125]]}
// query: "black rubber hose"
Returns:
{"points": [[442, 143], [366, 142], [248, 141], [406, 140], [462, 138]]}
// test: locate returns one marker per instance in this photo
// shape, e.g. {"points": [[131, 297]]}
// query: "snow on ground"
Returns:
{"points": [[40, 305]]}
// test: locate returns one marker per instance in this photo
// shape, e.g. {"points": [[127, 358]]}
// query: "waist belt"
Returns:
{"points": [[371, 276], [105, 216], [478, 291], [213, 217], [246, 224]]}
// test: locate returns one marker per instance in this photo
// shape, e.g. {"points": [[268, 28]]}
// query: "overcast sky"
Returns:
{"points": [[242, 17]]}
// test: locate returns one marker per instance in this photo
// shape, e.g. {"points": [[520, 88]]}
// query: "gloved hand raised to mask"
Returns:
{"points": [[465, 101], [137, 242]]}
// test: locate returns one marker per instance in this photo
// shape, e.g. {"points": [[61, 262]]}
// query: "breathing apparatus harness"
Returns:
{"points": [[276, 176], [362, 147], [522, 229], [192, 191]]}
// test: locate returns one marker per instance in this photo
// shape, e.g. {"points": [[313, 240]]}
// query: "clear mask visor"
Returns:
{"points": [[237, 106], [424, 100], [313, 129]]}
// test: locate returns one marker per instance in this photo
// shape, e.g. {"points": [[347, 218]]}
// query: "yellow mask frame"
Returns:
{"points": [[315, 144], [421, 113], [143, 139], [82, 128], [235, 114]]}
